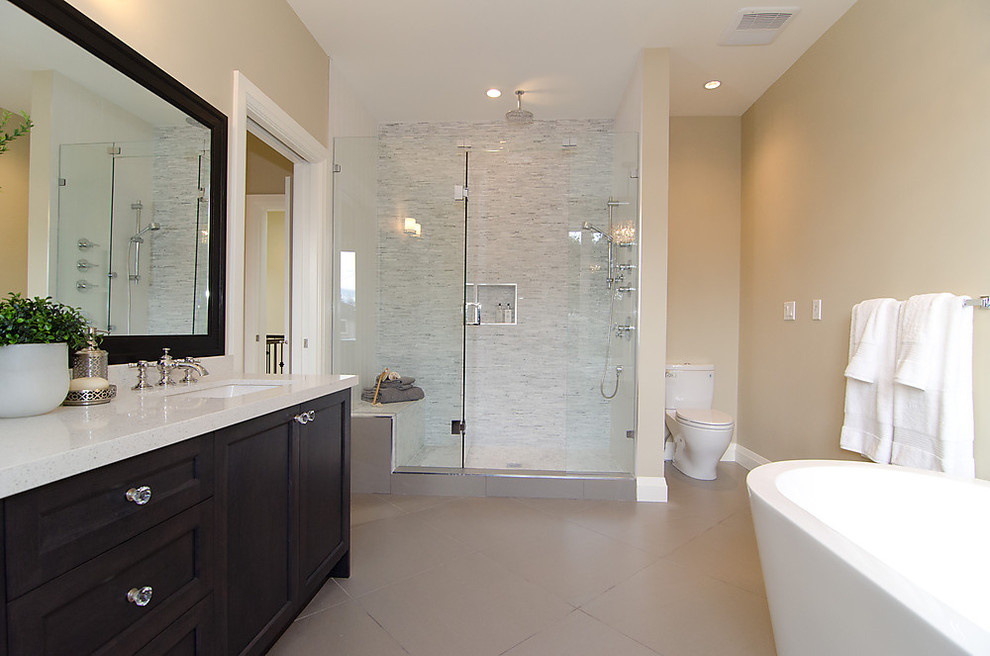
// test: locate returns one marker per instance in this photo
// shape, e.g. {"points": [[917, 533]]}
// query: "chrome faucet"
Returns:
{"points": [[165, 367], [191, 365], [167, 364]]}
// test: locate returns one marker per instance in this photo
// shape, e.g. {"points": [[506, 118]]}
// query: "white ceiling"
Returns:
{"points": [[432, 60]]}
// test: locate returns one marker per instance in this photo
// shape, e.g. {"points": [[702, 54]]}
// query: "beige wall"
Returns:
{"points": [[266, 169], [703, 249], [865, 169], [652, 347], [203, 43], [14, 210]]}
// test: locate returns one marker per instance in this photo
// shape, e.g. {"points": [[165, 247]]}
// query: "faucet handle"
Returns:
{"points": [[191, 365], [142, 381]]}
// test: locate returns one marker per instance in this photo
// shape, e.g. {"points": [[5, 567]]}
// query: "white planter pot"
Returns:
{"points": [[34, 378]]}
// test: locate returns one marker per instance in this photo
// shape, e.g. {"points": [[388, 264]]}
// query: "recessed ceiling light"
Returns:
{"points": [[493, 93], [712, 84]]}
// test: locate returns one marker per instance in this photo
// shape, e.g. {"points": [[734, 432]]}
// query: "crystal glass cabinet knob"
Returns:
{"points": [[305, 417], [140, 596], [139, 495]]}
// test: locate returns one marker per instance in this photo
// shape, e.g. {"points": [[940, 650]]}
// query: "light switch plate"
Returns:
{"points": [[816, 310], [790, 311]]}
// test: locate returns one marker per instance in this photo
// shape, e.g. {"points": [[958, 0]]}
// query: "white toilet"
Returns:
{"points": [[700, 434]]}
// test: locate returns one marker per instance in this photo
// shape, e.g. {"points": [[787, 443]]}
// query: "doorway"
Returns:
{"points": [[254, 112], [267, 256]]}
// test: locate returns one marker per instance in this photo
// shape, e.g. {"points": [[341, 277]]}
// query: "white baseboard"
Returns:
{"points": [[735, 453], [651, 489], [748, 459]]}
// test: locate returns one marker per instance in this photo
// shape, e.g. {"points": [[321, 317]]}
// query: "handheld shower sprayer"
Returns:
{"points": [[137, 239], [588, 226]]}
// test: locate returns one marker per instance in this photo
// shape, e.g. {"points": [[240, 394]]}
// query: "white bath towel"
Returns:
{"points": [[919, 336], [933, 390], [869, 408]]}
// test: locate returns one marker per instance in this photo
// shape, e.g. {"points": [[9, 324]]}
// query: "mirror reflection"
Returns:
{"points": [[117, 187]]}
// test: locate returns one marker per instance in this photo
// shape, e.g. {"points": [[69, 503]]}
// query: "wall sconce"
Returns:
{"points": [[412, 227]]}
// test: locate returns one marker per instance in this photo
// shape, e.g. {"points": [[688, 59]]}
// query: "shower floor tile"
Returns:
{"points": [[518, 577]]}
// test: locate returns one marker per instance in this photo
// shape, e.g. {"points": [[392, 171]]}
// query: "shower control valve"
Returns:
{"points": [[624, 331]]}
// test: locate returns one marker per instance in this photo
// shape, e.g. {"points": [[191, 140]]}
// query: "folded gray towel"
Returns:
{"points": [[391, 395], [405, 380], [401, 384]]}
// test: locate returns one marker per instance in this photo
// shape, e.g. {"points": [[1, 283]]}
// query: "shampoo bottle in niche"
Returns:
{"points": [[507, 317], [500, 314]]}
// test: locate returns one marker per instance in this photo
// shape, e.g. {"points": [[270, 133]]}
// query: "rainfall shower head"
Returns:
{"points": [[151, 226], [588, 226], [519, 116]]}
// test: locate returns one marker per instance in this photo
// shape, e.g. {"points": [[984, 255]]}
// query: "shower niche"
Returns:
{"points": [[490, 304]]}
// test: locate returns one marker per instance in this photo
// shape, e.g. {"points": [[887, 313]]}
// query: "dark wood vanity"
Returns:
{"points": [[212, 545]]}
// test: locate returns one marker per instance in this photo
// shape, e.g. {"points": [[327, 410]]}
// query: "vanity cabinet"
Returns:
{"points": [[212, 545], [324, 493], [105, 561], [256, 477], [285, 486]]}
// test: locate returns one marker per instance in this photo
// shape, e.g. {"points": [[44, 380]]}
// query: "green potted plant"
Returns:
{"points": [[19, 131], [36, 337]]}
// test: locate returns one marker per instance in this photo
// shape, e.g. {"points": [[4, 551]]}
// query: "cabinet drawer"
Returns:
{"points": [[54, 528], [88, 610], [190, 635]]}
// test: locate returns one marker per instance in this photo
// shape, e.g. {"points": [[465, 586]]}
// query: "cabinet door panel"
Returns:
{"points": [[87, 610], [257, 482], [54, 528], [324, 488], [3, 588], [190, 635]]}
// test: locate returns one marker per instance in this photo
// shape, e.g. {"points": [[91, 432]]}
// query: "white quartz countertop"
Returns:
{"points": [[70, 440]]}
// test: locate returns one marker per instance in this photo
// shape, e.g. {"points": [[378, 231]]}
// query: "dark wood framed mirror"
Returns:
{"points": [[166, 286]]}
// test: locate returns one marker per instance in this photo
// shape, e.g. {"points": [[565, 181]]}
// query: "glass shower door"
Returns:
{"points": [[420, 323], [552, 262]]}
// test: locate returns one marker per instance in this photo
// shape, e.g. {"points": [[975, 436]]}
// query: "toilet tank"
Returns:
{"points": [[690, 385]]}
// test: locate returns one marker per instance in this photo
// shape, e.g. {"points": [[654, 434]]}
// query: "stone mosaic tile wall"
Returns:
{"points": [[533, 386], [174, 249]]}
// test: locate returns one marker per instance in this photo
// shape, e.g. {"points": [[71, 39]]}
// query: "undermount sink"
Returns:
{"points": [[232, 390]]}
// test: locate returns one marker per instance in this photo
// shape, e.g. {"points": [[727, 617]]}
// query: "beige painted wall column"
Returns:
{"points": [[14, 210], [703, 249], [652, 352], [865, 171]]}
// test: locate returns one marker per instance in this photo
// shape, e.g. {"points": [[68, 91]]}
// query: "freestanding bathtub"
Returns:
{"points": [[869, 559]]}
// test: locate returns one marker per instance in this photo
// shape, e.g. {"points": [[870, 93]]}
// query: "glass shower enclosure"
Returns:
{"points": [[131, 233], [498, 266]]}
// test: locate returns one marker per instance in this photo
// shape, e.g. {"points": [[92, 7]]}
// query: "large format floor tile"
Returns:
{"points": [[344, 630], [471, 605], [468, 576], [579, 634]]}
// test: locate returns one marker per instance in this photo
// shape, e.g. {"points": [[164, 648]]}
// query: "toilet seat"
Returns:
{"points": [[703, 418]]}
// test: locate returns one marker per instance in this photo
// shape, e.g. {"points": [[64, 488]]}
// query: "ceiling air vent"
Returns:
{"points": [[756, 26]]}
